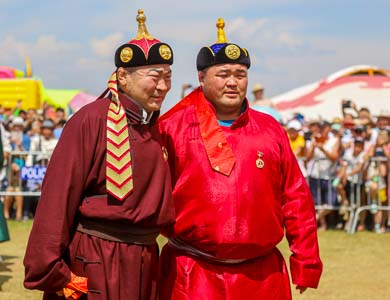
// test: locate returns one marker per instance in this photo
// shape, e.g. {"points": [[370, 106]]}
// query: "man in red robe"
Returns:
{"points": [[107, 191], [237, 189]]}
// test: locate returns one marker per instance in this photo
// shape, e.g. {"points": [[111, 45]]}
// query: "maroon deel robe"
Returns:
{"points": [[77, 170]]}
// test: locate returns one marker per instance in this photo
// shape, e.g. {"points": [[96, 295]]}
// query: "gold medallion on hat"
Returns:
{"points": [[126, 54], [165, 52], [232, 51]]}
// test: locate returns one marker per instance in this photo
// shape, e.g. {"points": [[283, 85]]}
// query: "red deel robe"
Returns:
{"points": [[229, 207], [76, 172]]}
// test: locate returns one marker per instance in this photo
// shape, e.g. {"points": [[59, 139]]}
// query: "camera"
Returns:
{"points": [[359, 129], [319, 138], [347, 103], [307, 135]]}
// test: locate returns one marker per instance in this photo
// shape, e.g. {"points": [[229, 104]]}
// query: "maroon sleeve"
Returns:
{"points": [[63, 187], [299, 221]]}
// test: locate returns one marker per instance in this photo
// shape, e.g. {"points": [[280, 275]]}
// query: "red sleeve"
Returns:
{"points": [[300, 222], [62, 190]]}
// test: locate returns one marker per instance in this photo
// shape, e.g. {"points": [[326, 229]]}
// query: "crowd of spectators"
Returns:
{"points": [[345, 160], [28, 138]]}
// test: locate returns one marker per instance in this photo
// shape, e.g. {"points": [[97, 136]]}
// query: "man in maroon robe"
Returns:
{"points": [[107, 191], [237, 190]]}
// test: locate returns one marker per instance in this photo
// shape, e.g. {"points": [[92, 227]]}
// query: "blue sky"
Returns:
{"points": [[291, 42]]}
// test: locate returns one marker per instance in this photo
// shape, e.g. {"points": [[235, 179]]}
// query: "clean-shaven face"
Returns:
{"points": [[147, 85], [225, 87]]}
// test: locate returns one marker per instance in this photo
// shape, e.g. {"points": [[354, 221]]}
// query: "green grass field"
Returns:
{"points": [[356, 267]]}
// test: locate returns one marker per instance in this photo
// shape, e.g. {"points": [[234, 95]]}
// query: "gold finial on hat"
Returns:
{"points": [[142, 30], [221, 33]]}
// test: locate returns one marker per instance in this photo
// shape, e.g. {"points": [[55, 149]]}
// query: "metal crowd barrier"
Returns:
{"points": [[322, 175], [355, 204], [32, 171], [371, 205]]}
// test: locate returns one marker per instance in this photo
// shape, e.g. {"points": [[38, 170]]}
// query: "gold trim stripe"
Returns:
{"points": [[117, 184], [117, 138], [118, 152], [120, 193], [118, 155], [119, 176], [116, 132], [115, 116], [119, 181], [116, 121], [114, 143], [117, 162]]}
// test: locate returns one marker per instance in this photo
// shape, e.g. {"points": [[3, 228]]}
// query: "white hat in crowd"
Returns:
{"points": [[17, 121], [294, 124], [48, 124]]}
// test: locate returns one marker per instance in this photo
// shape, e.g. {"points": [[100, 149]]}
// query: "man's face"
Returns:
{"points": [[258, 95], [225, 86], [31, 114], [17, 128], [292, 133], [364, 114], [314, 128], [147, 85], [47, 132], [60, 115], [382, 122], [358, 148]]}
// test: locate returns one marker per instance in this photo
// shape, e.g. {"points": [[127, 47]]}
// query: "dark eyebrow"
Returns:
{"points": [[223, 71]]}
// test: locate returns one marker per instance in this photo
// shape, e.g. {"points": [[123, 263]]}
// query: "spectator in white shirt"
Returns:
{"points": [[43, 143]]}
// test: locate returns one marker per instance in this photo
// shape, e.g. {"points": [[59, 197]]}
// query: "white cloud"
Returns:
{"points": [[262, 34], [106, 46], [45, 46], [283, 55], [285, 38], [245, 28], [49, 45]]}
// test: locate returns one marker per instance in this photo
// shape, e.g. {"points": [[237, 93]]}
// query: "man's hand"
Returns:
{"points": [[301, 289]]}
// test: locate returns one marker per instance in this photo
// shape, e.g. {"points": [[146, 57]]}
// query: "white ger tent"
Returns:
{"points": [[367, 86]]}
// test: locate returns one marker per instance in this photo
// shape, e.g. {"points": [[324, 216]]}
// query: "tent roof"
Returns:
{"points": [[368, 86]]}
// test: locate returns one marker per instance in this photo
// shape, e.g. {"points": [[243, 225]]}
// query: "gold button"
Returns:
{"points": [[220, 145]]}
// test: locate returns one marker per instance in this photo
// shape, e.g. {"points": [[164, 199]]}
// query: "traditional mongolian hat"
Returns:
{"points": [[222, 52], [143, 50]]}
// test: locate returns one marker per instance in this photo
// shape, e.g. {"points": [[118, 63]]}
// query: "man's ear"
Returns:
{"points": [[201, 75], [121, 76]]}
